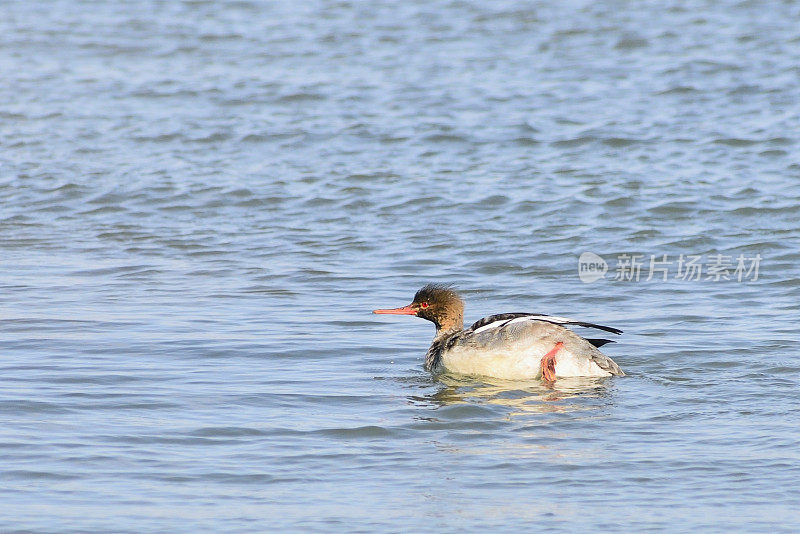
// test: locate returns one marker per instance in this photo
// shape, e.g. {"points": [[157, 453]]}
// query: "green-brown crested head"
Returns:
{"points": [[437, 303]]}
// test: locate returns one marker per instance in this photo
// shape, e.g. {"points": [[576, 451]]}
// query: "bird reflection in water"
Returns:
{"points": [[527, 397]]}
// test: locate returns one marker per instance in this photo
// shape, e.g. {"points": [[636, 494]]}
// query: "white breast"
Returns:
{"points": [[500, 364], [511, 365]]}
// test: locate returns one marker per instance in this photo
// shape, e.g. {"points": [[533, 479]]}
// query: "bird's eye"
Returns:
{"points": [[423, 305]]}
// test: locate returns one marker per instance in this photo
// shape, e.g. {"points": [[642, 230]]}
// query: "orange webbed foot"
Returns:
{"points": [[549, 363]]}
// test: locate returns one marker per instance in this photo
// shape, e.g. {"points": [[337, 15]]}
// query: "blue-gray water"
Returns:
{"points": [[202, 201]]}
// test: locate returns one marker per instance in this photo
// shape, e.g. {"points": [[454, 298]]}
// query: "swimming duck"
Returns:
{"points": [[512, 346]]}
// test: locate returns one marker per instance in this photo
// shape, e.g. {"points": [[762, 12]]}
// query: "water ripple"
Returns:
{"points": [[202, 202]]}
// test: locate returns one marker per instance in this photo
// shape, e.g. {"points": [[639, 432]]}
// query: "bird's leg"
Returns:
{"points": [[549, 363]]}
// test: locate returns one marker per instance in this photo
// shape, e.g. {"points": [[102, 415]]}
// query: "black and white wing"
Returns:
{"points": [[503, 319]]}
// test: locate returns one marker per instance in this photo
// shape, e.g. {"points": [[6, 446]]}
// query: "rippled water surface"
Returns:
{"points": [[202, 201]]}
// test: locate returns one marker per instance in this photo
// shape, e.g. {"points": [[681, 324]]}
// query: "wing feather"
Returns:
{"points": [[496, 321]]}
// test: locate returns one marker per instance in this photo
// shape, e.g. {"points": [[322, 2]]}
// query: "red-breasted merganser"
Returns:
{"points": [[512, 346]]}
